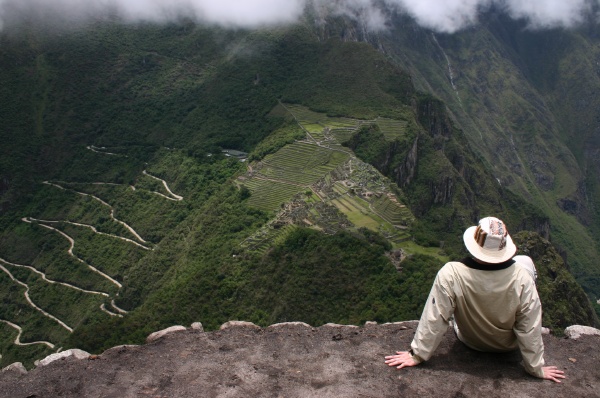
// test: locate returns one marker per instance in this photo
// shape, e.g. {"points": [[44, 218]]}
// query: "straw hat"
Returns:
{"points": [[489, 241]]}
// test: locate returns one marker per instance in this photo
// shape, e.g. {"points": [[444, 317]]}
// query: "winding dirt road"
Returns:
{"points": [[112, 210], [140, 242], [18, 338], [174, 196], [26, 294], [93, 230], [70, 251], [43, 275]]}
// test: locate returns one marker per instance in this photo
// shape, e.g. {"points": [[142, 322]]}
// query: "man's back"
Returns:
{"points": [[487, 301]]}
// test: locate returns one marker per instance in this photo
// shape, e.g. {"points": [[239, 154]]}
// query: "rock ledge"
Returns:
{"points": [[296, 360]]}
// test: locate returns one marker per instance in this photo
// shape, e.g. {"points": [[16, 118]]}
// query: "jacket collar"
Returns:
{"points": [[469, 262]]}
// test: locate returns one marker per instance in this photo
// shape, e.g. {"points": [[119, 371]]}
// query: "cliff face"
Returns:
{"points": [[406, 171], [296, 360], [434, 118]]}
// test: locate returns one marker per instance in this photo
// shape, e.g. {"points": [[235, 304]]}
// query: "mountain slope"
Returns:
{"points": [[116, 189], [121, 214], [524, 101]]}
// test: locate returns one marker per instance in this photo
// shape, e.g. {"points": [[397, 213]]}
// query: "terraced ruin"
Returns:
{"points": [[317, 182]]}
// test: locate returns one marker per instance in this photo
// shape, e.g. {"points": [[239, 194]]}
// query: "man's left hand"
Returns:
{"points": [[402, 359]]}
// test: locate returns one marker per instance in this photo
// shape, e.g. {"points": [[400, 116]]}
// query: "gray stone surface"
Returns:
{"points": [[161, 333], [74, 353], [576, 331], [197, 326], [239, 324], [16, 367], [288, 324], [119, 349], [298, 361], [337, 325]]}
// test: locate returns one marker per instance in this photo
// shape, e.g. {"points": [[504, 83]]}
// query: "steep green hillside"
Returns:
{"points": [[564, 301], [116, 197], [122, 214], [446, 185], [524, 99]]}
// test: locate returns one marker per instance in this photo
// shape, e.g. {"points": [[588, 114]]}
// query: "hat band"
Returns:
{"points": [[480, 236], [497, 233]]}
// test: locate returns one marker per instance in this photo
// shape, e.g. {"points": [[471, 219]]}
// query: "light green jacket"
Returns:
{"points": [[495, 311]]}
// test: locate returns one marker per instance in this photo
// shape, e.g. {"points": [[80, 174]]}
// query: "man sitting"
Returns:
{"points": [[493, 301]]}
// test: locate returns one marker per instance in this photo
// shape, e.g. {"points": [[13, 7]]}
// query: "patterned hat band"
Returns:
{"points": [[491, 234], [480, 236]]}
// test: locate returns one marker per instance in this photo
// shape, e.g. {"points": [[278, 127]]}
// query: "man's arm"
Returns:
{"points": [[528, 329], [432, 325]]}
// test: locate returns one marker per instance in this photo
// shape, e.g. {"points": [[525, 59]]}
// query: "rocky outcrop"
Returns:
{"points": [[74, 353], [539, 225], [405, 172], [238, 324], [434, 118], [443, 190], [157, 335], [577, 204], [297, 360], [16, 367], [576, 331]]}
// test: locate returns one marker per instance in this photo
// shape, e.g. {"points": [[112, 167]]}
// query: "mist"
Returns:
{"points": [[439, 15], [452, 15]]}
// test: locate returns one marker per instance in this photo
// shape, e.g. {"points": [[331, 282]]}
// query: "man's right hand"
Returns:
{"points": [[401, 360], [552, 373]]}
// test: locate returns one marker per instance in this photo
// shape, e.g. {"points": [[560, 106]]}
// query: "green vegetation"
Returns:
{"points": [[277, 140], [123, 222], [113, 185], [310, 276], [369, 144]]}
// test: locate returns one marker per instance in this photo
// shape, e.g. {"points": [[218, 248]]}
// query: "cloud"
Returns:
{"points": [[243, 13], [452, 15], [247, 13], [365, 11], [443, 15], [440, 15], [550, 13]]}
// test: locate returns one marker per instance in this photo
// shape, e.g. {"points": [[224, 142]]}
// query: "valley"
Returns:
{"points": [[314, 182]]}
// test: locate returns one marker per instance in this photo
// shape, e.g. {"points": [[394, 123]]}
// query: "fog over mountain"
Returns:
{"points": [[440, 15]]}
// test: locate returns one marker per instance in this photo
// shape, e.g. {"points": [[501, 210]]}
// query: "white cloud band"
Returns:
{"points": [[439, 15]]}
